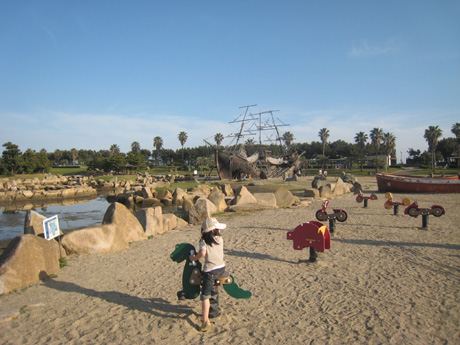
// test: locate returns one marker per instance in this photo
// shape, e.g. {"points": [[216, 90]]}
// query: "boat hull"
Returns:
{"points": [[230, 166], [417, 184]]}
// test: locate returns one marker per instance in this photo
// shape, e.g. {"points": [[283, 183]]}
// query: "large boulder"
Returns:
{"points": [[265, 199], [316, 183], [217, 197], [146, 192], [178, 196], [227, 190], [169, 222], [188, 202], [348, 178], [340, 187], [243, 196], [151, 219], [202, 209], [311, 193], [325, 192], [284, 198], [356, 188], [33, 223], [96, 239], [163, 194], [126, 222], [201, 189], [26, 260]]}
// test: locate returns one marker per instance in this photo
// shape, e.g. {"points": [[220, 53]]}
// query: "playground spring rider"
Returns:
{"points": [[414, 211], [361, 197], [339, 214], [191, 279], [395, 204], [311, 234]]}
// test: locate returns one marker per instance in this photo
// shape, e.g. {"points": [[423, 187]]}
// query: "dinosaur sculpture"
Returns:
{"points": [[191, 276]]}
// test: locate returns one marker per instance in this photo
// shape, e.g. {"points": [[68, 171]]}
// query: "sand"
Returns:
{"points": [[385, 280]]}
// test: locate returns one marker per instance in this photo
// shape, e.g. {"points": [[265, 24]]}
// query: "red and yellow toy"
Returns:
{"points": [[311, 234], [389, 203], [360, 198]]}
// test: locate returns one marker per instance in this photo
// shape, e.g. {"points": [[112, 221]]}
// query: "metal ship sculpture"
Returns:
{"points": [[233, 161]]}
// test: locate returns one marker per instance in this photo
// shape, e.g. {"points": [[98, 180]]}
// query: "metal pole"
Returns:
{"points": [[331, 224], [424, 220]]}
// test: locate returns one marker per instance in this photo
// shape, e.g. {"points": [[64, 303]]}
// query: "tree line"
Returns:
{"points": [[378, 142]]}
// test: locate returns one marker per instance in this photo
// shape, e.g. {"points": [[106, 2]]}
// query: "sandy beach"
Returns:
{"points": [[385, 280]]}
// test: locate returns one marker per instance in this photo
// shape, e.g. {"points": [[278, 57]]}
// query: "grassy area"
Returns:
{"points": [[82, 170]]}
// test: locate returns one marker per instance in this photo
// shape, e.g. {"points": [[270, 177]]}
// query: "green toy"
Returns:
{"points": [[191, 276]]}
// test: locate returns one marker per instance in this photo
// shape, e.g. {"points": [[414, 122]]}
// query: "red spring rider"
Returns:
{"points": [[311, 234]]}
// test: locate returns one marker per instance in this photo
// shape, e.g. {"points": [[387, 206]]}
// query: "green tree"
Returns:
{"points": [[182, 139], [136, 159], [57, 156], [158, 143], [389, 143], [74, 154], [323, 134], [360, 140], [135, 147], [114, 149], [219, 138], [456, 131], [12, 160], [447, 147], [288, 138], [376, 139], [414, 155], [432, 134]]}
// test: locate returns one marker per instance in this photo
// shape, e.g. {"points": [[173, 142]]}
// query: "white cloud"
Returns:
{"points": [[365, 49], [59, 130]]}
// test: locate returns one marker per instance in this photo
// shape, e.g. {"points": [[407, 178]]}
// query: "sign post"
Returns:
{"points": [[51, 230]]}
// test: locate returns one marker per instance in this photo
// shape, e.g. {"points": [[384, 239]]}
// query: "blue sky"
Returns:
{"points": [[89, 74]]}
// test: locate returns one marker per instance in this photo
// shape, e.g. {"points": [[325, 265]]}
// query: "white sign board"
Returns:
{"points": [[51, 227]]}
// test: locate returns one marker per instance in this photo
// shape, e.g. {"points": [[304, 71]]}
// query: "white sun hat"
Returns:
{"points": [[210, 224]]}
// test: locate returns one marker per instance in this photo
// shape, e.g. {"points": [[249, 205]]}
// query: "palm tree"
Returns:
{"points": [[432, 134], [324, 134], [74, 154], [135, 147], [361, 139], [456, 131], [389, 143], [57, 155], [376, 138], [182, 139], [114, 150], [158, 143], [288, 138], [218, 138]]}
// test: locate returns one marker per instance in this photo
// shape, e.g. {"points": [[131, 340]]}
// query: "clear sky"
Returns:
{"points": [[89, 74]]}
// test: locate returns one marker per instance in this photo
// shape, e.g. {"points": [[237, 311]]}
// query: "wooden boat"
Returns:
{"points": [[233, 166], [234, 163], [387, 182]]}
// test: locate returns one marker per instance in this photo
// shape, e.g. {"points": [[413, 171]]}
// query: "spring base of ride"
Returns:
{"points": [[313, 255], [332, 222], [424, 220]]}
